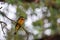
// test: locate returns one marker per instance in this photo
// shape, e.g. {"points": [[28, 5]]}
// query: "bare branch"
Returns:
{"points": [[3, 22], [2, 29], [0, 7], [2, 13], [27, 33], [3, 26]]}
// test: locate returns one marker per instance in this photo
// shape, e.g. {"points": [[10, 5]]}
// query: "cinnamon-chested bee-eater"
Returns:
{"points": [[19, 23]]}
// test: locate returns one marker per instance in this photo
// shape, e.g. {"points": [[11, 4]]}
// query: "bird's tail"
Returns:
{"points": [[15, 33]]}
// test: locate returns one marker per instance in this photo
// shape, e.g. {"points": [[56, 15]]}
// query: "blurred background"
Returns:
{"points": [[42, 19]]}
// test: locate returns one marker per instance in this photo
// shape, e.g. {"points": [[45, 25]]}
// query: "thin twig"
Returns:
{"points": [[3, 26], [27, 33], [2, 29], [2, 13], [0, 7], [3, 22]]}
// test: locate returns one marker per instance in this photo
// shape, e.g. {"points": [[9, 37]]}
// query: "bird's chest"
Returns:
{"points": [[20, 22]]}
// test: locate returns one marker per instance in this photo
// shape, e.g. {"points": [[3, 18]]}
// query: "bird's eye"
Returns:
{"points": [[22, 19]]}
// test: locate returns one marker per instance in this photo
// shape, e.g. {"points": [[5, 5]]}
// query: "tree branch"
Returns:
{"points": [[27, 33], [2, 13], [3, 26]]}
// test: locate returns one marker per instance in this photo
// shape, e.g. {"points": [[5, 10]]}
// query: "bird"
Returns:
{"points": [[19, 23]]}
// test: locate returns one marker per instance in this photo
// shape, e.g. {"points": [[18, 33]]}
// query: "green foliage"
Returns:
{"points": [[10, 1], [21, 13], [25, 5], [53, 19], [18, 37], [38, 23], [58, 2], [9, 35]]}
